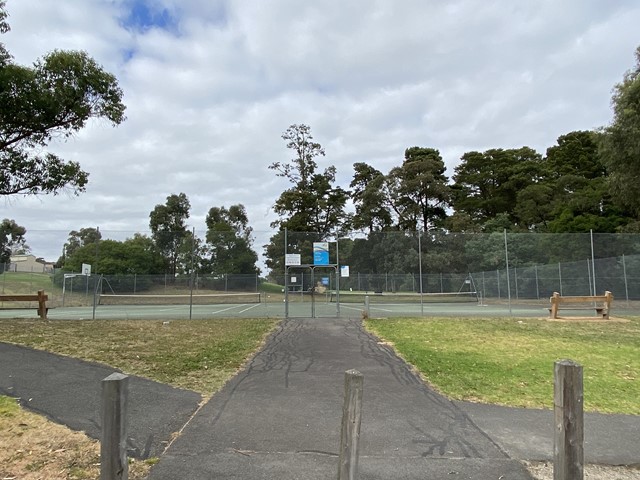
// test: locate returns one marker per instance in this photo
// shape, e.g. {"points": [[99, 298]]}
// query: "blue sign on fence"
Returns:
{"points": [[321, 253]]}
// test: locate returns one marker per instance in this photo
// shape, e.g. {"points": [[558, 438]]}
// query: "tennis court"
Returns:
{"points": [[273, 306]]}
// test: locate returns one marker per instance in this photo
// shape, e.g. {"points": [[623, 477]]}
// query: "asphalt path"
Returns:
{"points": [[280, 418], [67, 391]]}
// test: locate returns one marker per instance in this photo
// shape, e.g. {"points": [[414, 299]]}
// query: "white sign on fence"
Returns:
{"points": [[344, 270], [86, 269], [292, 259]]}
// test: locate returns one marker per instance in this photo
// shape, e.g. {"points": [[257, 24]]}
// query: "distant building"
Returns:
{"points": [[29, 263]]}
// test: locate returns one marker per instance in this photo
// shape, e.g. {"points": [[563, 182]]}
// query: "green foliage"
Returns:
{"points": [[487, 184], [11, 239], [169, 231], [52, 99], [77, 239], [370, 198], [580, 198], [229, 241], [620, 141], [419, 190], [136, 255], [534, 207], [575, 155], [312, 204]]}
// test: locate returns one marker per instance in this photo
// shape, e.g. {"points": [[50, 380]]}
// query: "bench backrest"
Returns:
{"points": [[41, 298], [557, 298]]}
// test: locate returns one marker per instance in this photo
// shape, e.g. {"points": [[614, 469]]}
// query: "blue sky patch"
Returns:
{"points": [[142, 15]]}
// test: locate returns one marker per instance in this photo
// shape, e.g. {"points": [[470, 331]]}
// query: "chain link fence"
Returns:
{"points": [[507, 269]]}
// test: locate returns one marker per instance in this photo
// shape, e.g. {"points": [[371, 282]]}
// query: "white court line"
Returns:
{"points": [[229, 308], [381, 309], [247, 309], [342, 305], [351, 308]]}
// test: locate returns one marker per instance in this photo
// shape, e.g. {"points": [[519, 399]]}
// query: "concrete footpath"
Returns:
{"points": [[280, 418]]}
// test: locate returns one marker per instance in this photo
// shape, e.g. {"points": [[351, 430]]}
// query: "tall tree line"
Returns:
{"points": [[171, 248], [588, 181]]}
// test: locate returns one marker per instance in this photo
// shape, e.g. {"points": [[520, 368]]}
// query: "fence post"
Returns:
{"points": [[350, 433], [560, 276], [626, 284], [113, 445], [568, 458]]}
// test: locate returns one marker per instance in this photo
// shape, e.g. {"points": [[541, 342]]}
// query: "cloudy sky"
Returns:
{"points": [[210, 86]]}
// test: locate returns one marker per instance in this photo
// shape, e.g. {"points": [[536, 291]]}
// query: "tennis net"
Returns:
{"points": [[405, 297], [180, 299]]}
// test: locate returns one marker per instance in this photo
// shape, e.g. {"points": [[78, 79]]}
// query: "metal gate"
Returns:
{"points": [[312, 291]]}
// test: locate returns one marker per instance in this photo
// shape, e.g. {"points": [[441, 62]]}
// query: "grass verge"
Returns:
{"points": [[199, 355], [510, 361], [33, 448]]}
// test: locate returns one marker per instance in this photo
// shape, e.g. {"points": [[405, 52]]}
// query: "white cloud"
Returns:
{"points": [[208, 100]]}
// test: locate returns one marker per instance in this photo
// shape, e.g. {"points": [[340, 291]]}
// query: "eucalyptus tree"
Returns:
{"points": [[54, 98], [620, 142], [168, 224], [312, 205], [229, 241], [12, 240]]}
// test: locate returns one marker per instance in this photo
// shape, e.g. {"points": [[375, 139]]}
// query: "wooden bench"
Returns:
{"points": [[40, 297], [601, 303]]}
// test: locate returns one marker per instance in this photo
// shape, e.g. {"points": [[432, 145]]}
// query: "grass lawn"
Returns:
{"points": [[198, 355], [510, 361], [21, 282]]}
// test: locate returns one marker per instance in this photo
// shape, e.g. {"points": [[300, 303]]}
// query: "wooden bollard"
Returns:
{"points": [[42, 305], [113, 446], [350, 432], [568, 448]]}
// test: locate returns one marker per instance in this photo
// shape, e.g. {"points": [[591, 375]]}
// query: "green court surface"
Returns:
{"points": [[295, 309]]}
